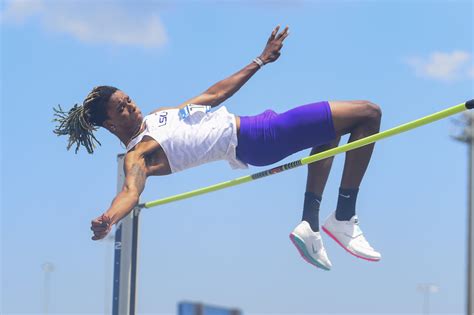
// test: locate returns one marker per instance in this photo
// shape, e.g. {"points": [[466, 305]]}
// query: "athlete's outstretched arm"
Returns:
{"points": [[224, 89], [126, 199]]}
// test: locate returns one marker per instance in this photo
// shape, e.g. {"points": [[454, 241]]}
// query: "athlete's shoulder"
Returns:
{"points": [[148, 153], [144, 147]]}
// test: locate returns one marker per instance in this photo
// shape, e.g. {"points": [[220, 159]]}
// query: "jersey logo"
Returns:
{"points": [[190, 109], [163, 119]]}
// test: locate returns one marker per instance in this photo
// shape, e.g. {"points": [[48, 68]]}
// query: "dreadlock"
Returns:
{"points": [[81, 121]]}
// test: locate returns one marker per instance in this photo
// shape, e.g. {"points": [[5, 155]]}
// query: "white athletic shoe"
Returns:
{"points": [[349, 235], [310, 245]]}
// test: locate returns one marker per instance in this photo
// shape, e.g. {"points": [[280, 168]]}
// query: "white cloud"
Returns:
{"points": [[443, 66], [90, 22], [18, 11]]}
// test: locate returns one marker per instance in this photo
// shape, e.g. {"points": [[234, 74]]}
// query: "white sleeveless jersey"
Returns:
{"points": [[193, 140]]}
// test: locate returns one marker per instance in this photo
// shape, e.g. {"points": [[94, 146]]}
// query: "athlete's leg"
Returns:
{"points": [[361, 119], [318, 172], [307, 232]]}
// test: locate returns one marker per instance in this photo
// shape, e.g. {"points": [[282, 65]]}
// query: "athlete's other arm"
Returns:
{"points": [[135, 177], [224, 89]]}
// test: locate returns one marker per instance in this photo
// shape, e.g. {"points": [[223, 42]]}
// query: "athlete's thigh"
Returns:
{"points": [[347, 114]]}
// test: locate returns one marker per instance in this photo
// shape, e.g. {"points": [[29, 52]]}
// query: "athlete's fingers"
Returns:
{"points": [[96, 238], [99, 235], [275, 31], [103, 220], [98, 229], [99, 224], [283, 33]]}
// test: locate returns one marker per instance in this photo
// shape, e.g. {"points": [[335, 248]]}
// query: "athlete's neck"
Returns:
{"points": [[127, 135]]}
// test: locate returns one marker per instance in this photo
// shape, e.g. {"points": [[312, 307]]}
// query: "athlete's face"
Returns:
{"points": [[123, 112]]}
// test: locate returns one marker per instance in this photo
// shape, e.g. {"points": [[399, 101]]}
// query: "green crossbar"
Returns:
{"points": [[317, 157]]}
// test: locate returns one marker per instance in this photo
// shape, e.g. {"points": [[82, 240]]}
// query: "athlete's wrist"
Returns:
{"points": [[259, 62]]}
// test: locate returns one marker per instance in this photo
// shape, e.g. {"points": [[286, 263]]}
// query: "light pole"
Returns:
{"points": [[48, 268], [109, 242], [427, 289], [467, 136]]}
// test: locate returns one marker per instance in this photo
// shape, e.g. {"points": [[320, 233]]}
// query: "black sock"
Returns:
{"points": [[311, 210], [346, 204]]}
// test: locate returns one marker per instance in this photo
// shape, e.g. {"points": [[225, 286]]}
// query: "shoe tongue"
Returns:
{"points": [[357, 231], [354, 220]]}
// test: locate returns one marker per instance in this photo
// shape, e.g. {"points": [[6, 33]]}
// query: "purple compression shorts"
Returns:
{"points": [[270, 137]]}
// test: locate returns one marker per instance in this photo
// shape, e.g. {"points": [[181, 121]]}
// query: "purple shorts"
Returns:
{"points": [[270, 137]]}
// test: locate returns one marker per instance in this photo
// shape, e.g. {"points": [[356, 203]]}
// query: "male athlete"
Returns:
{"points": [[172, 139]]}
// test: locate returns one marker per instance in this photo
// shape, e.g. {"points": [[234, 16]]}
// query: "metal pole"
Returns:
{"points": [[470, 229], [426, 289], [108, 257], [48, 268], [467, 136], [126, 257], [427, 303], [46, 293]]}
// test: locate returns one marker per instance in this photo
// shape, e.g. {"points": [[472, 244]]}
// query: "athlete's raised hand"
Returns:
{"points": [[101, 226], [274, 44]]}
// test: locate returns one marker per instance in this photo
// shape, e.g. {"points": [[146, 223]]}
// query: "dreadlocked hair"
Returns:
{"points": [[81, 121]]}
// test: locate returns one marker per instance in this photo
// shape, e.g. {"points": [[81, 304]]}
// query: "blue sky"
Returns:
{"points": [[232, 247]]}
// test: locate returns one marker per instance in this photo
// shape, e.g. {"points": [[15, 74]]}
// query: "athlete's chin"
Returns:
{"points": [[138, 117]]}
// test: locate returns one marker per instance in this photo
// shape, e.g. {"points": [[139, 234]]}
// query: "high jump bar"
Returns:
{"points": [[317, 157]]}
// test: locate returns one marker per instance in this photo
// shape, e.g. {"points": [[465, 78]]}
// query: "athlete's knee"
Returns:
{"points": [[373, 112]]}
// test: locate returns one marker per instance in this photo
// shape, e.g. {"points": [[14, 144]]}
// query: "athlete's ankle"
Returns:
{"points": [[311, 210], [346, 203]]}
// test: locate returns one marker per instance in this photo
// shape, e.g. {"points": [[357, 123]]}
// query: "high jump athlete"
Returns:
{"points": [[172, 139]]}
